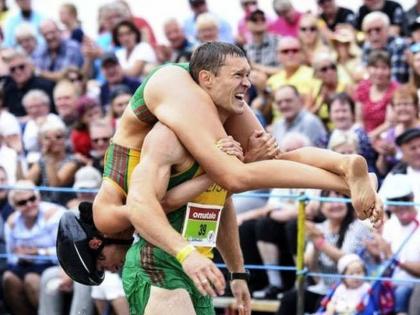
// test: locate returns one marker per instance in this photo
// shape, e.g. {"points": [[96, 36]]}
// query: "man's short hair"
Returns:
{"points": [[376, 15], [211, 57], [290, 86]]}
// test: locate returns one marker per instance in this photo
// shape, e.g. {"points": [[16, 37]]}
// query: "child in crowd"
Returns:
{"points": [[350, 292]]}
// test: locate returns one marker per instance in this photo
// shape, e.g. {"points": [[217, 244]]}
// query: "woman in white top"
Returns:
{"points": [[134, 56]]}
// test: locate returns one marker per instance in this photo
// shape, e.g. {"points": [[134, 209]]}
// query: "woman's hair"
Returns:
{"points": [[378, 55], [36, 94], [406, 91], [343, 98], [133, 28], [347, 220], [71, 8], [54, 125]]}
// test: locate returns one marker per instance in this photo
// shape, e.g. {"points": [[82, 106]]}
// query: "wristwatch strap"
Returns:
{"points": [[240, 275]]}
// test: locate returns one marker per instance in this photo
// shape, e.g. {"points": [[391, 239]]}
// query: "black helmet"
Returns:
{"points": [[75, 255]]}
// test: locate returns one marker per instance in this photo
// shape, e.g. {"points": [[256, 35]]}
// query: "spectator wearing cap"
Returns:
{"points": [[114, 75], [21, 80], [100, 133], [57, 54], [413, 13], [86, 177], [30, 231], [376, 26], [350, 292], [392, 9], [88, 111], [199, 7], [409, 143], [287, 22], [334, 15], [180, 48], [261, 47], [348, 53], [135, 56], [120, 97], [25, 15], [243, 35], [400, 237]]}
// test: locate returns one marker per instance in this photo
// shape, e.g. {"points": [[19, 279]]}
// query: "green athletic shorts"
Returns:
{"points": [[147, 265]]}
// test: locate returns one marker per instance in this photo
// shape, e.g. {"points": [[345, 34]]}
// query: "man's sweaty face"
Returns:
{"points": [[111, 258], [231, 84]]}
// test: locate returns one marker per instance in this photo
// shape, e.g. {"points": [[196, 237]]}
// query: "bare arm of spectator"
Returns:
{"points": [[50, 75], [34, 173], [90, 52], [412, 267]]}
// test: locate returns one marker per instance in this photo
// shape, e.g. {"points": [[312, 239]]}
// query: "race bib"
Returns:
{"points": [[201, 224]]}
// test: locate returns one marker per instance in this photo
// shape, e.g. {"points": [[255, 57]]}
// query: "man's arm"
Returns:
{"points": [[161, 150], [229, 247]]}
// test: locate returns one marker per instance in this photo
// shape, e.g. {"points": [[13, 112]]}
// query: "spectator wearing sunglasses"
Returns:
{"points": [[334, 15], [334, 80], [100, 133], [294, 72], [30, 232], [76, 76], [312, 39], [21, 80], [376, 26], [261, 48]]}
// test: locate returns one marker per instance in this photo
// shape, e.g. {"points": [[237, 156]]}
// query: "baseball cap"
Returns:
{"points": [[346, 260], [109, 57], [395, 186], [87, 177], [407, 136]]}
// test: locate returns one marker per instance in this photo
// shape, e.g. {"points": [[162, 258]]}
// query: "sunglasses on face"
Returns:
{"points": [[289, 51], [23, 202], [20, 67], [257, 19], [373, 30], [324, 69], [321, 2], [309, 29], [75, 78], [103, 139]]}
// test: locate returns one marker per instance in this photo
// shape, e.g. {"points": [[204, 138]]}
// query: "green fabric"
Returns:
{"points": [[146, 265]]}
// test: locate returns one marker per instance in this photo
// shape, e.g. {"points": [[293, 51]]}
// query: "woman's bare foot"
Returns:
{"points": [[363, 187]]}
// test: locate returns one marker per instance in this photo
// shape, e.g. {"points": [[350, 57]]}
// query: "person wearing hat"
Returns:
{"points": [[114, 75], [400, 235], [262, 45], [409, 144], [350, 292]]}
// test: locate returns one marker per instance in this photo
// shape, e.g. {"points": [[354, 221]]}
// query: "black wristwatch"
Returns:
{"points": [[240, 275]]}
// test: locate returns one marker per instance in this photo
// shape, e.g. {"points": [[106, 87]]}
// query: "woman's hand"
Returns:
{"points": [[231, 147], [312, 231]]}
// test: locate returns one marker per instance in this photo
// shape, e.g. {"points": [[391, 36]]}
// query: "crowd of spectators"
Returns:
{"points": [[333, 78]]}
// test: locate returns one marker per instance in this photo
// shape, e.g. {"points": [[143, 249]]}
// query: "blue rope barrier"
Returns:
{"points": [[264, 267], [241, 195]]}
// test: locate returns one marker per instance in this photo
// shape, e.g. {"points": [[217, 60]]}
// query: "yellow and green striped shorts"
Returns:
{"points": [[119, 164]]}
